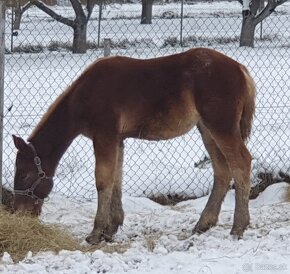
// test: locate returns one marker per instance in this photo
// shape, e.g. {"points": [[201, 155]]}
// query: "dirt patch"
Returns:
{"points": [[170, 199], [266, 179]]}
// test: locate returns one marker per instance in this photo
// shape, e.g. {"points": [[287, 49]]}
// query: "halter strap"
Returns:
{"points": [[41, 176], [37, 161]]}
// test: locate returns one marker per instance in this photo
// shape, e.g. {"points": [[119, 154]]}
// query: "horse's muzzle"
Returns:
{"points": [[27, 206]]}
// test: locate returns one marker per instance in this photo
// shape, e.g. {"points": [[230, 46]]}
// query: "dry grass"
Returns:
{"points": [[20, 234], [150, 243]]}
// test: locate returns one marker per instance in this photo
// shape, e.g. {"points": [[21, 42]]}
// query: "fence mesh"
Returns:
{"points": [[39, 66]]}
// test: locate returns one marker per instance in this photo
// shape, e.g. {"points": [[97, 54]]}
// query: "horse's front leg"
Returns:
{"points": [[110, 214]]}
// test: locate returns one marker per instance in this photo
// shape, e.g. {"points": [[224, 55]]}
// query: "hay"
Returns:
{"points": [[20, 234]]}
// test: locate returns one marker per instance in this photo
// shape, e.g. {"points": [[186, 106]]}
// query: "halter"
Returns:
{"points": [[41, 176]]}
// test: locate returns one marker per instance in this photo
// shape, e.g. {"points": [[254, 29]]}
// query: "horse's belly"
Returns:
{"points": [[165, 122], [176, 122], [170, 128]]}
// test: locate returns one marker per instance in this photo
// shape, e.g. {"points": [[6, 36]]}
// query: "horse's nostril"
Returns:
{"points": [[22, 207], [22, 210]]}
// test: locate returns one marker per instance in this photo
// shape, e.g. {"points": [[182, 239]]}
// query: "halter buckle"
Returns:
{"points": [[37, 161], [41, 175]]}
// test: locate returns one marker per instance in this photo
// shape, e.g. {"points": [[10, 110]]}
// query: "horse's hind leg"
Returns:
{"points": [[239, 161], [110, 215], [222, 179]]}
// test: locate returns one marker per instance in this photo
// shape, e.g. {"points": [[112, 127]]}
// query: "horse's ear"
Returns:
{"points": [[19, 143]]}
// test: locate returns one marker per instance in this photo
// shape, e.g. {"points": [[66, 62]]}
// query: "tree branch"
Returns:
{"points": [[51, 13], [90, 6], [26, 7], [270, 7], [77, 6]]}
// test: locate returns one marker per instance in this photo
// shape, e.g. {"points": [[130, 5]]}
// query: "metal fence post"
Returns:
{"points": [[99, 21], [12, 28], [2, 60], [181, 23]]}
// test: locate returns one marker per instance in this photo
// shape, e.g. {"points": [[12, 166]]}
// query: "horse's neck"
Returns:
{"points": [[53, 137]]}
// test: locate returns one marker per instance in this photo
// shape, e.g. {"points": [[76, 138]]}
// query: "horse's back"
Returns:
{"points": [[160, 98]]}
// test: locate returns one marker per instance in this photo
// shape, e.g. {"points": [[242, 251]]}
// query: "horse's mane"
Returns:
{"points": [[51, 109], [61, 97]]}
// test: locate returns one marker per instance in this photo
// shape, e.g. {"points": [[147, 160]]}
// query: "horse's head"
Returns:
{"points": [[31, 184]]}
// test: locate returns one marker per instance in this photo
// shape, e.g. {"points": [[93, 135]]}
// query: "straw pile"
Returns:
{"points": [[20, 234]]}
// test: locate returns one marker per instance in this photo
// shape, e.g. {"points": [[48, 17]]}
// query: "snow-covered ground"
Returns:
{"points": [[204, 21], [157, 239]]}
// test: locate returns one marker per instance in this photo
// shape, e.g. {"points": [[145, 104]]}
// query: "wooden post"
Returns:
{"points": [[2, 60], [107, 47]]}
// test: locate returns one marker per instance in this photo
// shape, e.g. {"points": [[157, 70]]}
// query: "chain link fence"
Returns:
{"points": [[40, 65]]}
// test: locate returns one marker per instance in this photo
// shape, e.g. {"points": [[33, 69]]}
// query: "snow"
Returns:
{"points": [[122, 23], [246, 4], [265, 246]]}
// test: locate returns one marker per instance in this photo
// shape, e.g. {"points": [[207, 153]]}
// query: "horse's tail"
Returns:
{"points": [[249, 106]]}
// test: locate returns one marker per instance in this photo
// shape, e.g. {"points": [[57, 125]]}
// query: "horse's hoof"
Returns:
{"points": [[97, 236], [238, 229], [237, 233], [93, 239], [197, 230], [201, 228]]}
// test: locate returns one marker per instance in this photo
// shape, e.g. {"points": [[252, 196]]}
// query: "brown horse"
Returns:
{"points": [[156, 99]]}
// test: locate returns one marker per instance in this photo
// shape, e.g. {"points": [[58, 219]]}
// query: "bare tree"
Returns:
{"points": [[146, 15], [254, 12], [19, 7], [79, 24], [18, 12]]}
